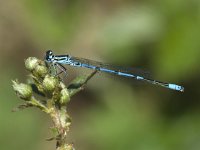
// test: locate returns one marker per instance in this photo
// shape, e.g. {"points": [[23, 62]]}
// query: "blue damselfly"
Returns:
{"points": [[59, 60]]}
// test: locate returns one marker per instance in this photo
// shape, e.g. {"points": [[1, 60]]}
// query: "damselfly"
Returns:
{"points": [[58, 60]]}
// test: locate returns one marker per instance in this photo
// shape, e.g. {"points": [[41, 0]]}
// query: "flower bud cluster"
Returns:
{"points": [[57, 89], [47, 84], [36, 67], [54, 90]]}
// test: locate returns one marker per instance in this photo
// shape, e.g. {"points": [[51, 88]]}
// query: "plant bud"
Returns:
{"points": [[31, 63], [64, 98], [24, 91], [40, 70], [50, 83]]}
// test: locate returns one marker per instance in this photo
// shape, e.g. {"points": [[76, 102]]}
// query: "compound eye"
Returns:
{"points": [[49, 52], [49, 55]]}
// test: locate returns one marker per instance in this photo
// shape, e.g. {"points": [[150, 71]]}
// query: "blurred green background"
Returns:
{"points": [[161, 36]]}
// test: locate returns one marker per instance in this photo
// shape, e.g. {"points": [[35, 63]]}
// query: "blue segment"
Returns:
{"points": [[88, 66], [172, 86], [139, 78], [176, 87], [107, 70], [125, 74]]}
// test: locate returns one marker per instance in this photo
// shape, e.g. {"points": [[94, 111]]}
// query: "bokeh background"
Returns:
{"points": [[161, 36]]}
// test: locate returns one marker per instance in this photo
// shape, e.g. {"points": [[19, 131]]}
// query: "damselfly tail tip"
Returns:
{"points": [[176, 87], [182, 89]]}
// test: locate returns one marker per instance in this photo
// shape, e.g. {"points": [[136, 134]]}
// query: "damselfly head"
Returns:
{"points": [[49, 56]]}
